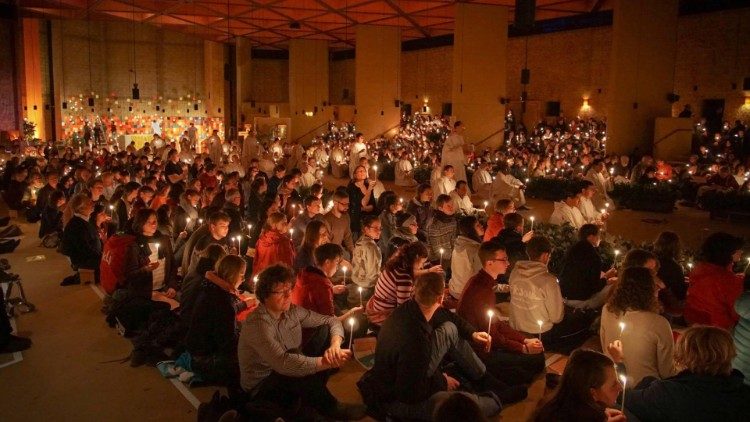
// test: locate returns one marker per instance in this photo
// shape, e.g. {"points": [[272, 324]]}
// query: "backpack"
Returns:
{"points": [[111, 267]]}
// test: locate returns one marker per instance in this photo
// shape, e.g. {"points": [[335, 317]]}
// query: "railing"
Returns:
{"points": [[311, 131], [663, 138], [486, 138], [382, 134]]}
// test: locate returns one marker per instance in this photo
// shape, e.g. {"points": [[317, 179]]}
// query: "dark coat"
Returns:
{"points": [[139, 280], [690, 397], [512, 241], [213, 329], [403, 353], [580, 277], [81, 243]]}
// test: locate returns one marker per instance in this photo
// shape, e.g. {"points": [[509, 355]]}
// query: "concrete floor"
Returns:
{"points": [[73, 373]]}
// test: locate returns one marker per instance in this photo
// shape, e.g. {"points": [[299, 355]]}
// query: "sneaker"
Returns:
{"points": [[71, 280], [15, 344], [347, 412]]}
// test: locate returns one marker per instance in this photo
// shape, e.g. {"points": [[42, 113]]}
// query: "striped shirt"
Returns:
{"points": [[267, 344], [392, 289]]}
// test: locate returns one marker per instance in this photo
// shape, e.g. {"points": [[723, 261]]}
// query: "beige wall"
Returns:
{"points": [[270, 80], [342, 77], [308, 87], [426, 78]]}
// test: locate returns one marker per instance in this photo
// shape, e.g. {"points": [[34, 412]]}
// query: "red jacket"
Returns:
{"points": [[494, 226], [711, 296], [272, 248], [477, 299], [313, 291]]}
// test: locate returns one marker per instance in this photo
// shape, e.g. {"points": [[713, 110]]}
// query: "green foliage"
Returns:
{"points": [[28, 130], [551, 189], [657, 196]]}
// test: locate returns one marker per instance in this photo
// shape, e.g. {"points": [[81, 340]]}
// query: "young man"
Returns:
{"points": [[273, 366], [507, 186], [312, 206], [406, 381], [567, 211], [214, 232], [421, 207], [279, 171], [512, 237], [462, 200], [366, 261], [513, 358], [495, 222], [535, 296], [447, 183], [583, 282], [442, 231], [338, 221]]}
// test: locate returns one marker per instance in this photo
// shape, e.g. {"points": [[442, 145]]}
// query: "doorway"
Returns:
{"points": [[713, 111]]}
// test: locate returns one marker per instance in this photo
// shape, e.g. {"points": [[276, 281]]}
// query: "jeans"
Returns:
{"points": [[570, 333], [445, 341]]}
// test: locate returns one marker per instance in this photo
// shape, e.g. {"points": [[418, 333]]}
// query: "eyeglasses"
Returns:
{"points": [[285, 292], [346, 204]]}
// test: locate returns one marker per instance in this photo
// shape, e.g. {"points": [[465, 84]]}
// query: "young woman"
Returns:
{"points": [[713, 286], [706, 388], [161, 196], [646, 336], [668, 249], [274, 245], [149, 269], [316, 234], [390, 204], [588, 391], [396, 282], [406, 232], [213, 332], [465, 258], [361, 199]]}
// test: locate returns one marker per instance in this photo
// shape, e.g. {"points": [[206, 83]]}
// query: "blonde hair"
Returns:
{"points": [[229, 267], [705, 350], [274, 219]]}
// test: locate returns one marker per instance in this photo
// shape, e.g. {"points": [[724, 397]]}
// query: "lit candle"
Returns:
{"points": [[351, 331], [238, 238], [532, 222], [249, 227], [540, 323], [490, 314], [624, 381], [606, 205], [617, 253], [111, 210], [359, 289], [748, 265], [441, 255], [200, 221], [690, 266], [344, 270], [622, 328], [255, 284], [157, 250], [291, 232], [486, 204]]}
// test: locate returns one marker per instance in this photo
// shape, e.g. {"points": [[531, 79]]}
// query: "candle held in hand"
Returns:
{"points": [[359, 289], [532, 222], [540, 323], [490, 314], [352, 321], [622, 328], [624, 381]]}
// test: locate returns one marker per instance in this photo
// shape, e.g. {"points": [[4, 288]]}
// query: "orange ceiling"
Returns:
{"points": [[267, 22]]}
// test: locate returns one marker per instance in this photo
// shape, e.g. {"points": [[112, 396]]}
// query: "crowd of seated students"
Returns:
{"points": [[201, 239]]}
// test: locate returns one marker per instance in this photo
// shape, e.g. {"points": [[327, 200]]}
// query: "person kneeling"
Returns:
{"points": [[406, 381], [272, 366]]}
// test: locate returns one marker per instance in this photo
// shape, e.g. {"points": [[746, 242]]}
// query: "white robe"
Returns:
{"points": [[482, 183], [444, 186], [215, 150], [463, 205], [453, 154], [403, 176], [564, 213], [588, 211], [357, 151]]}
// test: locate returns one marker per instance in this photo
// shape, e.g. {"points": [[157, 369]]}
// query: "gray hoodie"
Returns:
{"points": [[534, 296]]}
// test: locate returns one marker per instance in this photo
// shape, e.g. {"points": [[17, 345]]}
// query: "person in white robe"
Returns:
{"points": [[215, 150], [405, 172], [599, 176], [589, 212], [357, 150], [567, 211], [446, 184], [462, 200], [505, 186], [453, 151], [481, 181]]}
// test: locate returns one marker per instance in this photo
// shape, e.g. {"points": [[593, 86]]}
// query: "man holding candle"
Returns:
{"points": [[566, 211], [586, 206], [535, 297], [513, 358], [366, 261], [406, 381], [274, 365], [442, 231], [583, 282]]}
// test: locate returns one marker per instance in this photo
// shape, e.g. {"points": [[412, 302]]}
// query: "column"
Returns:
{"points": [[308, 88], [377, 69], [642, 64], [31, 87], [244, 80], [479, 56], [213, 82]]}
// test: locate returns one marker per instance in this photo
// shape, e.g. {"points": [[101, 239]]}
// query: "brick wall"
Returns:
{"points": [[270, 80], [426, 78]]}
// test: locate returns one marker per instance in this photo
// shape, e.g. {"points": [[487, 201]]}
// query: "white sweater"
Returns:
{"points": [[564, 213], [464, 264], [534, 296]]}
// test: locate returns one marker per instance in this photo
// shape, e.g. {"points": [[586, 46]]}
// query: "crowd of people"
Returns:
{"points": [[256, 277]]}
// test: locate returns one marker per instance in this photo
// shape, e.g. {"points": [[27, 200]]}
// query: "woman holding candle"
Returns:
{"points": [[274, 245], [646, 336], [148, 267], [316, 234], [588, 391]]}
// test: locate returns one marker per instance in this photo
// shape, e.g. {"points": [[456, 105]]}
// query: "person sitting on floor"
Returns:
{"points": [[273, 365], [631, 315], [366, 261], [406, 380], [213, 331], [513, 239], [495, 222], [513, 358], [406, 232], [567, 211], [80, 241], [464, 260], [274, 244], [191, 283], [462, 200], [588, 391], [583, 282], [441, 234], [537, 306], [706, 388]]}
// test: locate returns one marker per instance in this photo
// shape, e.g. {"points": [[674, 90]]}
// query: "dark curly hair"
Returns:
{"points": [[407, 255], [719, 247], [270, 278], [634, 292]]}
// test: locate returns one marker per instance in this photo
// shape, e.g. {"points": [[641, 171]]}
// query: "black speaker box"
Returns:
{"points": [[525, 10], [525, 76]]}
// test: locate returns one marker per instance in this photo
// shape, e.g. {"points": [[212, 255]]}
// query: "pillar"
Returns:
{"points": [[213, 81], [32, 88], [308, 88], [244, 72], [479, 55], [377, 81], [644, 37]]}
